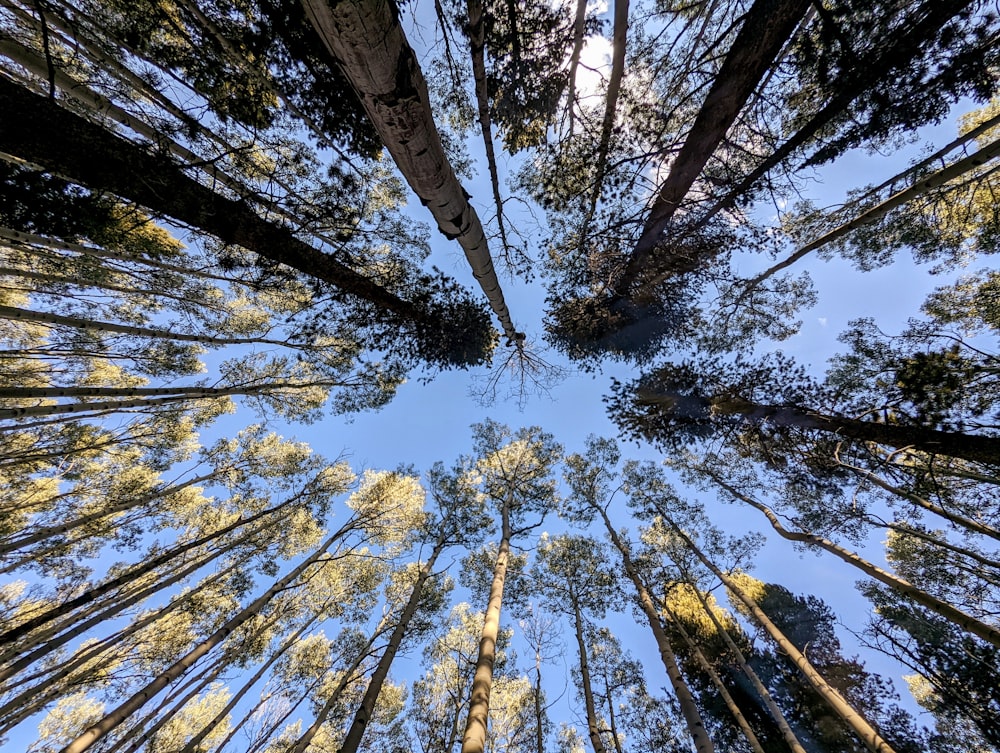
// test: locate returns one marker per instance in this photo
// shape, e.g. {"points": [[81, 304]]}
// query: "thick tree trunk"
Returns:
{"points": [[474, 739], [46, 134], [720, 686], [367, 42], [364, 713], [766, 27], [143, 696], [952, 614], [696, 727], [868, 70], [972, 447], [865, 732], [593, 730]]}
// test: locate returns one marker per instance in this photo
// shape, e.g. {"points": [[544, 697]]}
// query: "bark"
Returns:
{"points": [[975, 448], [870, 69], [579, 29], [779, 718], [926, 504], [619, 40], [57, 244], [367, 707], [46, 532], [720, 686], [593, 731], [474, 739], [137, 571], [952, 614], [169, 395], [766, 27], [865, 732], [929, 183], [696, 727], [34, 698], [64, 143], [477, 46], [139, 699], [42, 317], [367, 42]]}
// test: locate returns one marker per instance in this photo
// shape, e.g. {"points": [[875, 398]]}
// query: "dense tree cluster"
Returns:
{"points": [[202, 213]]}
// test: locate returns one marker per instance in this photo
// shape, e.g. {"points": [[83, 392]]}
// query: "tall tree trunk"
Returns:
{"points": [[367, 42], [364, 713], [975, 448], [579, 32], [695, 725], [619, 40], [135, 572], [766, 26], [865, 732], [39, 534], [720, 686], [474, 739], [779, 718], [952, 614], [593, 731], [46, 134], [868, 70], [877, 212], [140, 698]]}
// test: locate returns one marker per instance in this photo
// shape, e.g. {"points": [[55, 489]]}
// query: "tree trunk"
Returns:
{"points": [[588, 694], [364, 713], [137, 571], [474, 739], [66, 144], [766, 26], [139, 699], [972, 447], [367, 42], [868, 70], [696, 727], [928, 183], [988, 633], [579, 30], [779, 718], [727, 698], [865, 732]]}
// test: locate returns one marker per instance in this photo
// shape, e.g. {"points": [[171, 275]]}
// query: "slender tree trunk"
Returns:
{"points": [[140, 698], [474, 739], [619, 40], [47, 318], [868, 70], [926, 504], [865, 732], [766, 26], [593, 731], [779, 718], [926, 184], [720, 686], [46, 532], [367, 707], [696, 727], [967, 622], [134, 573], [367, 42], [579, 31], [477, 46]]}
